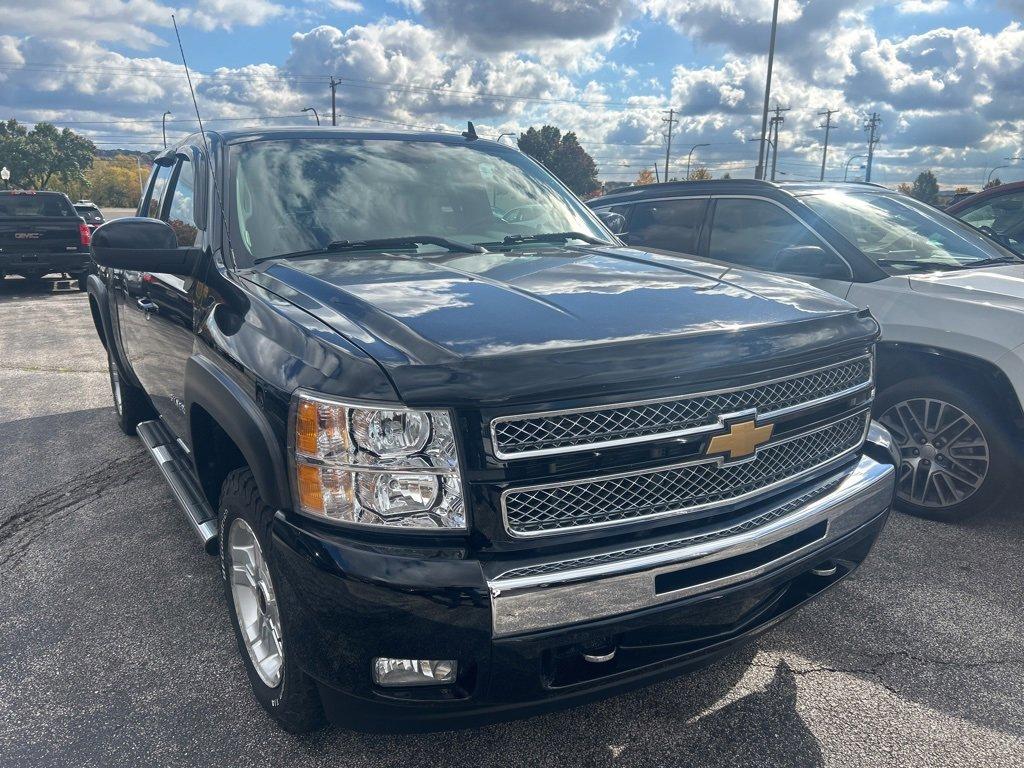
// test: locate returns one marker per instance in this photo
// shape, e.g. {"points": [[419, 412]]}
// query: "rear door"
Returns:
{"points": [[672, 224], [166, 304]]}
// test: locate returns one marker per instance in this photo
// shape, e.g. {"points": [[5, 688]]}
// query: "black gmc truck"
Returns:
{"points": [[42, 233], [463, 455]]}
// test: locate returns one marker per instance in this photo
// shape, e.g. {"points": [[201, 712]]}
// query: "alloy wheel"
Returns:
{"points": [[255, 603], [945, 456]]}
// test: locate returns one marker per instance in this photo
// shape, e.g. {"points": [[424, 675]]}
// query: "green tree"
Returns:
{"points": [[563, 156], [994, 183], [926, 188], [44, 154], [726, 175], [114, 181]]}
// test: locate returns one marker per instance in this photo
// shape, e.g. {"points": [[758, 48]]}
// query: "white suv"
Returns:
{"points": [[950, 301]]}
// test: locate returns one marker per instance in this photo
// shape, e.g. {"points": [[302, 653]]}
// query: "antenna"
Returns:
{"points": [[206, 144]]}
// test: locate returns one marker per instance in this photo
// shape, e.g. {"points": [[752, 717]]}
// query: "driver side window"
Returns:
{"points": [[1003, 215], [762, 235], [152, 203]]}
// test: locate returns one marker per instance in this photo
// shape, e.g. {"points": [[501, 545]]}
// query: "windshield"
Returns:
{"points": [[304, 194], [902, 234]]}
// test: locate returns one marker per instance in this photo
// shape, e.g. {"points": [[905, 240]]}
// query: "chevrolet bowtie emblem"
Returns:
{"points": [[741, 440]]}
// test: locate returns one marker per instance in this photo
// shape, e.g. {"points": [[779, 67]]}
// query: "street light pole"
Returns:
{"points": [[315, 113], [503, 135], [997, 168], [689, 155], [759, 171], [163, 127], [852, 158]]}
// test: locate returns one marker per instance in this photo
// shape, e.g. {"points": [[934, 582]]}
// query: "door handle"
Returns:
{"points": [[147, 306]]}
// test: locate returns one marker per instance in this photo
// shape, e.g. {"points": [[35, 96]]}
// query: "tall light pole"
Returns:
{"points": [[315, 113], [997, 168], [503, 135], [852, 158], [759, 171], [163, 127], [689, 155]]}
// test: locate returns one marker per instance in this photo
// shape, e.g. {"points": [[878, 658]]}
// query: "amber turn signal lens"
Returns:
{"points": [[307, 428], [311, 495]]}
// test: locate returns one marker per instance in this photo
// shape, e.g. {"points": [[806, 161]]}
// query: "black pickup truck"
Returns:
{"points": [[42, 233], [462, 454]]}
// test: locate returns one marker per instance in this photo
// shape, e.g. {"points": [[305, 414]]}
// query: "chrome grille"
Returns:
{"points": [[563, 431], [678, 489], [751, 523]]}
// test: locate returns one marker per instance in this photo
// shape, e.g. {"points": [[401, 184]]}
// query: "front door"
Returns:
{"points": [[169, 309]]}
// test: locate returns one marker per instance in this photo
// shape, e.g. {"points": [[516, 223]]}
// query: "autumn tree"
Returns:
{"points": [[44, 154], [114, 181], [563, 156], [905, 188], [700, 174], [926, 188], [646, 176], [996, 182]]}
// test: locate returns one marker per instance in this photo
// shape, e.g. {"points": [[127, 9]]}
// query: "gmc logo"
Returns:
{"points": [[26, 235]]}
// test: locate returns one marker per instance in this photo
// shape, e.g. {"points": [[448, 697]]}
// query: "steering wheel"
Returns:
{"points": [[519, 214]]}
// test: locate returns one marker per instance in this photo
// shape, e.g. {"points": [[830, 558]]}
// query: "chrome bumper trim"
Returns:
{"points": [[563, 598]]}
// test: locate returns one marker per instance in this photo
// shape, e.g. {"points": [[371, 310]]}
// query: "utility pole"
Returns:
{"points": [[163, 127], [828, 127], [759, 171], [334, 114], [871, 125], [777, 120], [668, 147], [657, 178]]}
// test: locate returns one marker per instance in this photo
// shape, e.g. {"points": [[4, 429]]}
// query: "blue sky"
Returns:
{"points": [[944, 76]]}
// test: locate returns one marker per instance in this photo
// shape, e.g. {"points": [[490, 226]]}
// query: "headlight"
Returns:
{"points": [[392, 467]]}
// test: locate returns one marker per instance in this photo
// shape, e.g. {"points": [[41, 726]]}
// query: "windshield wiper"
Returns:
{"points": [[340, 246], [919, 263], [994, 260], [549, 237]]}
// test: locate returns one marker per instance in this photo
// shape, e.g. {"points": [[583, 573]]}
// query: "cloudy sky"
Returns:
{"points": [[946, 77]]}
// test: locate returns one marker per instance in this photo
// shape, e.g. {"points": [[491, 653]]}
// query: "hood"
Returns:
{"points": [[1001, 285], [563, 322]]}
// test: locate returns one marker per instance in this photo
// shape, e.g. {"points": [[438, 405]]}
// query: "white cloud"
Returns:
{"points": [[227, 14], [922, 6]]}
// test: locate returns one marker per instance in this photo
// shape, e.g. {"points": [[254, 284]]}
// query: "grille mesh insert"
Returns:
{"points": [[593, 427], [676, 490]]}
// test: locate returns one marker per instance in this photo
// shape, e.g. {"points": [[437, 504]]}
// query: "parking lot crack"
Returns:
{"points": [[27, 520]]}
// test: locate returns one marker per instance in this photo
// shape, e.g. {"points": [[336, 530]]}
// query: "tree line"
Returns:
{"points": [[46, 157]]}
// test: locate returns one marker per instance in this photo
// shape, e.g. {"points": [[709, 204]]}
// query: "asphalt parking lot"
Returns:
{"points": [[116, 649]]}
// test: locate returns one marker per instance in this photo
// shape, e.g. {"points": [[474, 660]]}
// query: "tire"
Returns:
{"points": [[940, 479], [131, 405], [252, 585]]}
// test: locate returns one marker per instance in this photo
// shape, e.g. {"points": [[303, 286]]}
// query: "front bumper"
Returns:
{"points": [[520, 634]]}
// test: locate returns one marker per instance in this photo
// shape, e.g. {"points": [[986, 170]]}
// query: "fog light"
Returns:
{"points": [[403, 672]]}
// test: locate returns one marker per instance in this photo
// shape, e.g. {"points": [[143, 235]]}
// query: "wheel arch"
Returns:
{"points": [[899, 361], [228, 430]]}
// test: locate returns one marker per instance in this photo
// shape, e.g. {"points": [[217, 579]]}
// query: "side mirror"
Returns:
{"points": [[616, 222], [145, 245], [811, 261]]}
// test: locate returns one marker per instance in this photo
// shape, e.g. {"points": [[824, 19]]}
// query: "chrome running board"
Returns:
{"points": [[177, 471]]}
